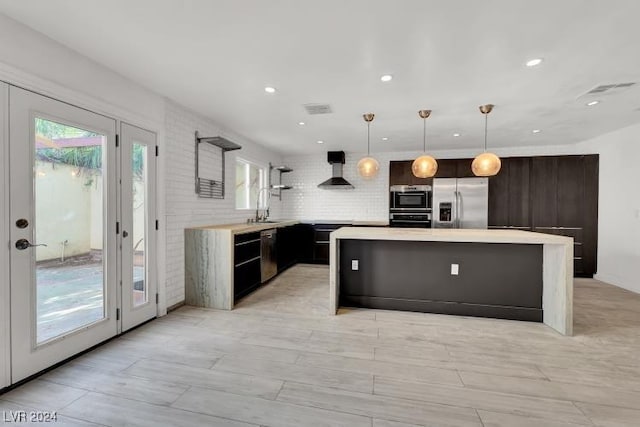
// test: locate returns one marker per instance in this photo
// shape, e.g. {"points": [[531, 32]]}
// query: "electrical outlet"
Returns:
{"points": [[455, 268], [354, 265]]}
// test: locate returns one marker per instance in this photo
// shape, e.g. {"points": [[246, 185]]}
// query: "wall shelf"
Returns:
{"points": [[209, 188], [279, 186]]}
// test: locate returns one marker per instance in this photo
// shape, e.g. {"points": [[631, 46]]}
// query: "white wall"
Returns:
{"points": [[32, 60], [184, 208], [619, 207]]}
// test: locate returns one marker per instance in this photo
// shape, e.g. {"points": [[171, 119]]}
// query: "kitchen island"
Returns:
{"points": [[507, 274]]}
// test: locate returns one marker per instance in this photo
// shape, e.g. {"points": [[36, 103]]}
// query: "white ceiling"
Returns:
{"points": [[216, 57]]}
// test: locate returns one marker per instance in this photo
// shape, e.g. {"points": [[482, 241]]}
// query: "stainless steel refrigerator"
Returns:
{"points": [[460, 202]]}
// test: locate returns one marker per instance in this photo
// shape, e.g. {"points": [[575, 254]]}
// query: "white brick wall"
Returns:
{"points": [[369, 200], [183, 207]]}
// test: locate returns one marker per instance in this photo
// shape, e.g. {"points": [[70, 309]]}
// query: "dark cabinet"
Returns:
{"points": [[304, 242], [564, 200], [590, 230], [400, 174], [247, 268], [509, 204], [454, 168], [400, 171], [315, 242], [519, 209], [287, 247], [321, 242], [544, 195], [463, 168], [447, 168]]}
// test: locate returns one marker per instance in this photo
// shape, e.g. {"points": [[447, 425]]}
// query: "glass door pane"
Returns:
{"points": [[69, 218], [139, 168]]}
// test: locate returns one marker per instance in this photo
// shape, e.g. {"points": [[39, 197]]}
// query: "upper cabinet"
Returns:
{"points": [[400, 174], [454, 168], [400, 171], [509, 194]]}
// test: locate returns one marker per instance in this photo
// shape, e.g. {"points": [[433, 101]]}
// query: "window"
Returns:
{"points": [[250, 179]]}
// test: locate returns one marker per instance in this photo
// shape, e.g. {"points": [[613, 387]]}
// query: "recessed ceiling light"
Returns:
{"points": [[534, 62], [385, 138], [592, 103], [270, 89], [536, 131], [301, 123], [456, 135], [386, 78], [320, 142]]}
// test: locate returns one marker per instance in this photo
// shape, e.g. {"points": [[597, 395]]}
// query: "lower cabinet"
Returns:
{"points": [[247, 268], [246, 278], [287, 246], [321, 241], [580, 268], [312, 242]]}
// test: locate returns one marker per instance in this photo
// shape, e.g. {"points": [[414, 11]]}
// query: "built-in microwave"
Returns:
{"points": [[409, 197]]}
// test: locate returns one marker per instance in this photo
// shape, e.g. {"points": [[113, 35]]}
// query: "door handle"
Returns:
{"points": [[125, 234], [23, 244], [459, 200]]}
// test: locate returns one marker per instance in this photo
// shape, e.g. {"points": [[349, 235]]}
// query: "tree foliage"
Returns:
{"points": [[87, 159]]}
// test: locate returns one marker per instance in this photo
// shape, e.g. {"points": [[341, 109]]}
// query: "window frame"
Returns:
{"points": [[263, 183]]}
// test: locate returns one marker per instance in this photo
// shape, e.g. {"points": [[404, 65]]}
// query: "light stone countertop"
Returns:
{"points": [[450, 235], [243, 227]]}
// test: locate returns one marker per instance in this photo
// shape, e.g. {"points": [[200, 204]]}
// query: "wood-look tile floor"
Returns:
{"points": [[280, 360]]}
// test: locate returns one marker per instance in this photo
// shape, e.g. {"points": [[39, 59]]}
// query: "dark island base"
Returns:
{"points": [[496, 280]]}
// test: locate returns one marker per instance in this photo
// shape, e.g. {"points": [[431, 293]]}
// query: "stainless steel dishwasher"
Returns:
{"points": [[268, 252]]}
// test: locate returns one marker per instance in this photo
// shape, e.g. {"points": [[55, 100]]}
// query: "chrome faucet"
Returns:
{"points": [[266, 211]]}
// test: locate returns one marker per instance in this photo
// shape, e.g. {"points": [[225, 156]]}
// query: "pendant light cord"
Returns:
{"points": [[368, 137], [424, 135], [485, 131]]}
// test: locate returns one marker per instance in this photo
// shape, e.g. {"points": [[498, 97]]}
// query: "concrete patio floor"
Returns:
{"points": [[70, 295]]}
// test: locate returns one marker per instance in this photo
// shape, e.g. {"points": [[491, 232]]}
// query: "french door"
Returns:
{"points": [[138, 172], [81, 242]]}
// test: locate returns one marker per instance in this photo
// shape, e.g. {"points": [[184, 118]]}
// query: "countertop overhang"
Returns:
{"points": [[450, 235]]}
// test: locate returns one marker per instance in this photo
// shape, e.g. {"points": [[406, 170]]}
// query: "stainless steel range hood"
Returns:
{"points": [[337, 182]]}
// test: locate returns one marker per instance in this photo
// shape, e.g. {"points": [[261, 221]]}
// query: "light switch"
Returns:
{"points": [[454, 269], [354, 264]]}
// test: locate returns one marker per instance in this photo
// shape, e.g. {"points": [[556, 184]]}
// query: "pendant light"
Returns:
{"points": [[368, 166], [486, 164], [424, 166]]}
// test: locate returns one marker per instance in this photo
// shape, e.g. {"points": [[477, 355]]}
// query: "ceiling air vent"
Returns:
{"points": [[605, 88], [318, 108]]}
